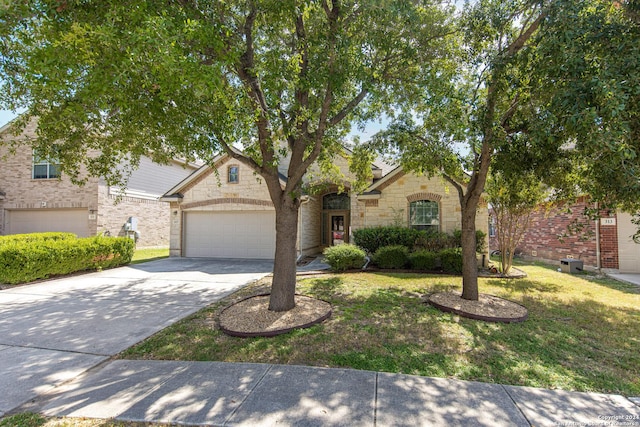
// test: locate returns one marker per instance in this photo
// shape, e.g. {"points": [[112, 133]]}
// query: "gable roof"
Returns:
{"points": [[176, 193]]}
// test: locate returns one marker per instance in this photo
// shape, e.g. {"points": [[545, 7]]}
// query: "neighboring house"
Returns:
{"points": [[230, 214], [605, 244], [35, 198]]}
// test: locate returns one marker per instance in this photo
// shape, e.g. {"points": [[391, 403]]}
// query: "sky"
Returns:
{"points": [[371, 128], [6, 116]]}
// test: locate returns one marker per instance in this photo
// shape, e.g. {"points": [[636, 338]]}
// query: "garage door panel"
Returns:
{"points": [[45, 220], [628, 250], [230, 234]]}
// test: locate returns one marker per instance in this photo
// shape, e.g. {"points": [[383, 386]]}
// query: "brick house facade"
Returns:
{"points": [[30, 204], [599, 244]]}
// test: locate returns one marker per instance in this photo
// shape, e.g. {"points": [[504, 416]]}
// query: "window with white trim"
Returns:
{"points": [[424, 215], [45, 167], [233, 174]]}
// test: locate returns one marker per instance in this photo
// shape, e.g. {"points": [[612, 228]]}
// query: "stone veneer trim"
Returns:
{"points": [[424, 196], [223, 200], [205, 174], [391, 180]]}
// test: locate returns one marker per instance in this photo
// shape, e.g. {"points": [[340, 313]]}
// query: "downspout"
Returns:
{"points": [[598, 263], [303, 201]]}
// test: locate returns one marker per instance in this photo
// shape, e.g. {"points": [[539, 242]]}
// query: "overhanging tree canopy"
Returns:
{"points": [[283, 78], [548, 87]]}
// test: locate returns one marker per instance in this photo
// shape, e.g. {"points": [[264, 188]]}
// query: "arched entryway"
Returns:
{"points": [[336, 218]]}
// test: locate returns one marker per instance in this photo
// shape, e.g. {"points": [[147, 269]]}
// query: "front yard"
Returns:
{"points": [[582, 333]]}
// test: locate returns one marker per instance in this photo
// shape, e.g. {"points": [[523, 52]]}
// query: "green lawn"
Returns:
{"points": [[36, 420], [582, 332], [149, 254]]}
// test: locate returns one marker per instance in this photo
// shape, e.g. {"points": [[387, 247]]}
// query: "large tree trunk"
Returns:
{"points": [[283, 287], [469, 259]]}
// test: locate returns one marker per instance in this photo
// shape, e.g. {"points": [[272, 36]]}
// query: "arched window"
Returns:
{"points": [[424, 215], [336, 202]]}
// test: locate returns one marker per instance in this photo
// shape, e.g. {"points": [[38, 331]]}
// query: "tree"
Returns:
{"points": [[285, 79], [545, 87], [512, 200]]}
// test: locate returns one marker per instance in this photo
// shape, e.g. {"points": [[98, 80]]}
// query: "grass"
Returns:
{"points": [[149, 254], [29, 419], [582, 332]]}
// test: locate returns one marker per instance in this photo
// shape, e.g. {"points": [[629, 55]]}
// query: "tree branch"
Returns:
{"points": [[349, 107], [456, 185], [524, 36], [237, 155], [246, 72]]}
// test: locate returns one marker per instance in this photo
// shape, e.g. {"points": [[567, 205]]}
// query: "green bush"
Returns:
{"points": [[451, 260], [396, 256], [36, 237], [480, 240], [424, 260], [435, 242], [373, 238], [28, 260], [344, 257]]}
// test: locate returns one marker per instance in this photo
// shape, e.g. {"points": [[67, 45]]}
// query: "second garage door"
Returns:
{"points": [[42, 220], [628, 250], [230, 234]]}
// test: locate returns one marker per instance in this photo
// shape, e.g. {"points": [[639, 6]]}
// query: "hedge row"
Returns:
{"points": [[373, 238], [33, 258], [36, 237], [448, 260]]}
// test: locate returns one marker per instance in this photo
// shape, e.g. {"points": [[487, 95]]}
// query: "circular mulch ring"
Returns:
{"points": [[514, 273], [488, 308], [251, 317]]}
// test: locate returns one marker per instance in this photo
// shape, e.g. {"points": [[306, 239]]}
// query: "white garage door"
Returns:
{"points": [[42, 220], [628, 250], [230, 234]]}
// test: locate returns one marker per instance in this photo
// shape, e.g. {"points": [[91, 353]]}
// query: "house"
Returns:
{"points": [[603, 244], [35, 198], [230, 214]]}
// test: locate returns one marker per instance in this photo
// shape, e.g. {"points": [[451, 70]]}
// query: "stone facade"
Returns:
{"points": [[207, 191], [210, 191]]}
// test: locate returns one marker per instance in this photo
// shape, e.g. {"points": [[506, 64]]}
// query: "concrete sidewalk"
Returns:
{"points": [[247, 394]]}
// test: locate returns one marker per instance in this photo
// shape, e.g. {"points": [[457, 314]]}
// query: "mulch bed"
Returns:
{"points": [[251, 316], [488, 308]]}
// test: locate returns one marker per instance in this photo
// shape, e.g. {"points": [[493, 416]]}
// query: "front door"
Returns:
{"points": [[335, 219], [339, 229]]}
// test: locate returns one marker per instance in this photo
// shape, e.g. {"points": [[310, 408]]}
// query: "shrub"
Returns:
{"points": [[344, 257], [424, 260], [36, 237], [451, 260], [396, 256], [480, 240], [28, 260], [435, 242], [373, 238]]}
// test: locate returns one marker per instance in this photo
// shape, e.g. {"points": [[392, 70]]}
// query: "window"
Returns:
{"points": [[233, 174], [335, 201], [424, 215], [45, 168]]}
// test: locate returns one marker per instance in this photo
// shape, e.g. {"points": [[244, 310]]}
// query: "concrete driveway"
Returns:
{"points": [[53, 331]]}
